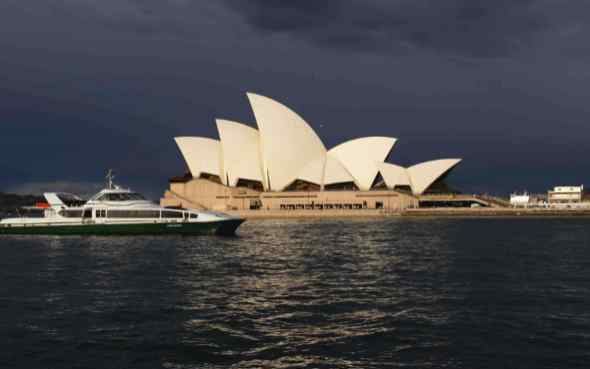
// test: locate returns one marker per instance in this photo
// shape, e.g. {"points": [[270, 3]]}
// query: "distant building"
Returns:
{"points": [[566, 195], [284, 165], [520, 201]]}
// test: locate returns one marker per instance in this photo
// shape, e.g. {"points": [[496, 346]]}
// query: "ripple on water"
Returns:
{"points": [[423, 293]]}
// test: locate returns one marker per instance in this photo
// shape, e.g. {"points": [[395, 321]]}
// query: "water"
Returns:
{"points": [[424, 293]]}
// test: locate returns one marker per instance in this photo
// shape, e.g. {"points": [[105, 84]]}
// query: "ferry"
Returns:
{"points": [[116, 211]]}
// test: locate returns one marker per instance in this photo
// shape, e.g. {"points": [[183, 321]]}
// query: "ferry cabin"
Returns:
{"points": [[103, 214]]}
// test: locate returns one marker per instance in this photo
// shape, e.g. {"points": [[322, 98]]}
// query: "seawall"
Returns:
{"points": [[311, 214], [429, 212], [496, 212]]}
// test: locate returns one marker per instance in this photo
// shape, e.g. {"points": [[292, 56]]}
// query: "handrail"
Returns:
{"points": [[493, 200]]}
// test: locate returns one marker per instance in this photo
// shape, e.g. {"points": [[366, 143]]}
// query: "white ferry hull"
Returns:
{"points": [[226, 227]]}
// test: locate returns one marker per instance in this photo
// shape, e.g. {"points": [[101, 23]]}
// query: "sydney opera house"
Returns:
{"points": [[284, 165]]}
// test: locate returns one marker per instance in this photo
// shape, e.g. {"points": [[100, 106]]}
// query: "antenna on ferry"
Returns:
{"points": [[110, 176]]}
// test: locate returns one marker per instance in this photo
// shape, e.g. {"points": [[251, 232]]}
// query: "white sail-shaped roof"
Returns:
{"points": [[336, 172], [288, 144], [394, 175], [202, 155], [240, 146], [313, 172], [423, 175], [361, 156], [285, 149]]}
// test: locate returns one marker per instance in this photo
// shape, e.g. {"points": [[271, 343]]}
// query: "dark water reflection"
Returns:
{"points": [[494, 293]]}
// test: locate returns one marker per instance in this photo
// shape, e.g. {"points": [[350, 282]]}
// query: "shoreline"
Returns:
{"points": [[414, 213], [497, 212]]}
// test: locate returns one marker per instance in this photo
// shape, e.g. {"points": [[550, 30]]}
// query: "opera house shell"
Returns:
{"points": [[286, 155]]}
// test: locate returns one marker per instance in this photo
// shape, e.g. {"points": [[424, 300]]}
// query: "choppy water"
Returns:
{"points": [[472, 293]]}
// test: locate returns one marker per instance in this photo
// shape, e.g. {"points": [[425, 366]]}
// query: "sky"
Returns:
{"points": [[90, 85]]}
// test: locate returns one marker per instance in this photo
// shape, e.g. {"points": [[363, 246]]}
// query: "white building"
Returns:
{"points": [[566, 195], [520, 201]]}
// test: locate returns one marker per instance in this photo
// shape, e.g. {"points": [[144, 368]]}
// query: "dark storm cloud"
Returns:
{"points": [[88, 85], [474, 28]]}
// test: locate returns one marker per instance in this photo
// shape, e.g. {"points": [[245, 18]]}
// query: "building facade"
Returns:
{"points": [[206, 194], [566, 195]]}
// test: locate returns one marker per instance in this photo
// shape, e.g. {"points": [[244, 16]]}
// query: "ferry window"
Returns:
{"points": [[70, 200], [122, 197], [116, 197], [88, 213], [171, 214], [142, 214], [194, 216], [71, 213]]}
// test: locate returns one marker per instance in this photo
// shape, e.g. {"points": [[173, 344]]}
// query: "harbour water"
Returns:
{"points": [[413, 293]]}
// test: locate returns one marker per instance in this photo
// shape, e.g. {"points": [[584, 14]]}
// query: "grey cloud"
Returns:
{"points": [[466, 28], [142, 17], [37, 188], [472, 28]]}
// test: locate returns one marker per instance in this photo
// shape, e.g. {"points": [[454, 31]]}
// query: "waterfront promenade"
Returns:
{"points": [[426, 212]]}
